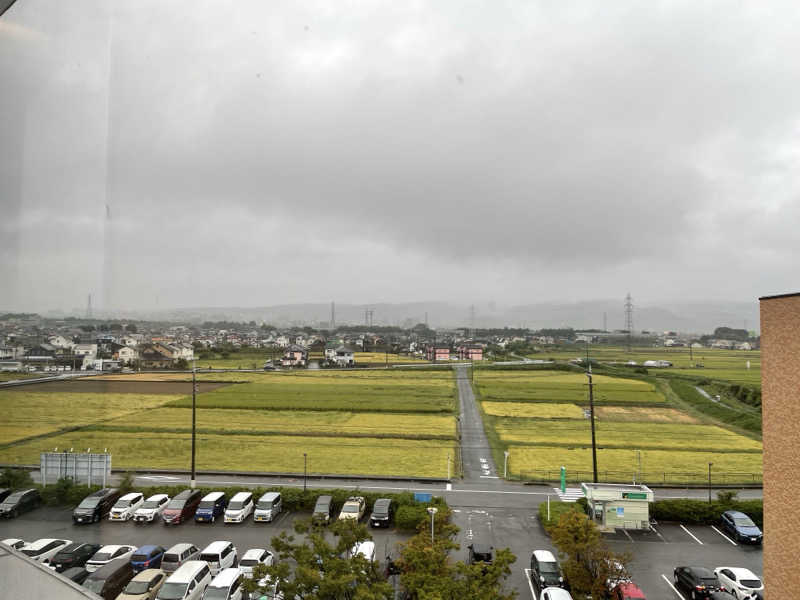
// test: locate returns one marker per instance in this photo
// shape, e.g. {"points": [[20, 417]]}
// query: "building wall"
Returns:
{"points": [[780, 383]]}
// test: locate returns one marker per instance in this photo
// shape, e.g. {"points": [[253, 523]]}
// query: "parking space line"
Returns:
{"points": [[658, 533], [691, 534], [627, 534], [674, 589], [725, 536], [530, 583]]}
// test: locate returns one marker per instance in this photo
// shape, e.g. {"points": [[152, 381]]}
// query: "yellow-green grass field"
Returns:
{"points": [[558, 386], [311, 423], [610, 434], [531, 462], [282, 454], [538, 410], [643, 413], [28, 413], [727, 365], [367, 391]]}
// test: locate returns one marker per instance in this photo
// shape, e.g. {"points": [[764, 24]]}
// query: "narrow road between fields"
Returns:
{"points": [[476, 457]]}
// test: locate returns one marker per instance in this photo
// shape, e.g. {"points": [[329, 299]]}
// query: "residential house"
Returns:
{"points": [[437, 352], [470, 352], [282, 341], [344, 357], [125, 355], [41, 351], [295, 356], [85, 350]]}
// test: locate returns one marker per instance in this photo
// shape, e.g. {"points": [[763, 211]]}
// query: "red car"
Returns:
{"points": [[627, 591]]}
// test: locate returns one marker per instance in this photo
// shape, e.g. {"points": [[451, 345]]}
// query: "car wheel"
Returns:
{"points": [[213, 518], [15, 514]]}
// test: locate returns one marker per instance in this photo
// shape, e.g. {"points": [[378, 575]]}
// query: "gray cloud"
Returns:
{"points": [[510, 151]]}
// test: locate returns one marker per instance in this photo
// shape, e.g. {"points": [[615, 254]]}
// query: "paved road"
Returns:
{"points": [[476, 458]]}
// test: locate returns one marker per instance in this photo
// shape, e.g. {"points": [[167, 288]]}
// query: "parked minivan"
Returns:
{"points": [[323, 510], [177, 555], [239, 508], [147, 557], [110, 579], [545, 570], [382, 512], [124, 508], [227, 585], [95, 506], [219, 555], [144, 586], [187, 583], [268, 507], [19, 502], [181, 507], [211, 506]]}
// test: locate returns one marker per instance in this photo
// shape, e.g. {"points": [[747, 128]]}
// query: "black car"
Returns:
{"points": [[4, 493], [545, 570], [480, 553], [76, 574], [698, 581], [19, 502], [382, 513], [741, 527], [95, 506], [73, 555]]}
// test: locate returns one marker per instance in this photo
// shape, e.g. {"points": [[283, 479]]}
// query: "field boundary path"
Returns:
{"points": [[476, 456]]}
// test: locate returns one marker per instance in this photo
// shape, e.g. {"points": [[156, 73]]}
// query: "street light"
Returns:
{"points": [[305, 470], [709, 481], [193, 481], [505, 464], [432, 511]]}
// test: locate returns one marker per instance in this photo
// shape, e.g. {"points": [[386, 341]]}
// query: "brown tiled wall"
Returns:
{"points": [[780, 381]]}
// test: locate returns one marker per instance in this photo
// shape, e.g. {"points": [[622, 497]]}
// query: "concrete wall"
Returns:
{"points": [[780, 382]]}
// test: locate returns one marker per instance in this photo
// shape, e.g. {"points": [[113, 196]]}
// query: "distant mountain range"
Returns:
{"points": [[695, 317]]}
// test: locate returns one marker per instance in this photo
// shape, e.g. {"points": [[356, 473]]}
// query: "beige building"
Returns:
{"points": [[780, 383]]}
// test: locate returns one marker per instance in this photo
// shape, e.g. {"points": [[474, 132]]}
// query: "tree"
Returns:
{"points": [[324, 569], [586, 560], [15, 479], [427, 572], [131, 328]]}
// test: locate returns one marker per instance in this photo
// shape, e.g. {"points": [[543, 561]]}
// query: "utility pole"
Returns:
{"points": [[629, 320], [709, 481], [591, 416], [305, 470], [193, 481]]}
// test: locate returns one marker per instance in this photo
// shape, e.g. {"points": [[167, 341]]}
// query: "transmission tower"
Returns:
{"points": [[333, 316], [89, 307], [472, 320], [629, 319]]}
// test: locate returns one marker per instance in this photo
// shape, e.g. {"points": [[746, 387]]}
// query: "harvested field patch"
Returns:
{"points": [[643, 413], [538, 410], [115, 386]]}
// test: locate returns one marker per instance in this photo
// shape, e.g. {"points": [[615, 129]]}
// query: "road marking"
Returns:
{"points": [[669, 583], [530, 583], [489, 476], [627, 534], [658, 533], [448, 487], [691, 534], [158, 477], [725, 536]]}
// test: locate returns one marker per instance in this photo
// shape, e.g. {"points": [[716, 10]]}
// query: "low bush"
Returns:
{"points": [[15, 479], [700, 512]]}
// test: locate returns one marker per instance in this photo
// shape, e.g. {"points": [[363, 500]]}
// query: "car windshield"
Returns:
{"points": [[172, 591], [237, 504], [140, 557], [170, 558], [176, 503], [89, 503], [31, 551], [122, 504], [751, 583], [215, 593], [744, 522], [350, 508], [248, 562], [209, 558], [101, 556], [137, 587], [94, 585], [151, 504], [206, 504], [550, 568], [264, 504]]}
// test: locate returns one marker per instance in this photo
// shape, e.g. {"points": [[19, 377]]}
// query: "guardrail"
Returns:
{"points": [[675, 478]]}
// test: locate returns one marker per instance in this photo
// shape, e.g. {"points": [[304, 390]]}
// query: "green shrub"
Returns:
{"points": [[557, 508], [700, 512], [15, 479]]}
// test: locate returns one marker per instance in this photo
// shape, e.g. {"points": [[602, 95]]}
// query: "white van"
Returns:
{"points": [[227, 585], [239, 508], [126, 507], [178, 555], [219, 555], [268, 507], [187, 583]]}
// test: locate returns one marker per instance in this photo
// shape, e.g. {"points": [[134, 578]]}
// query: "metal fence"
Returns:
{"points": [[652, 477], [81, 467]]}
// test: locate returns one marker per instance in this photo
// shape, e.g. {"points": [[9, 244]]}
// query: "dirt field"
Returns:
{"points": [[107, 386]]}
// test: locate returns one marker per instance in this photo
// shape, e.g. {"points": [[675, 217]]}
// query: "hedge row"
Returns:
{"points": [[700, 512], [409, 513]]}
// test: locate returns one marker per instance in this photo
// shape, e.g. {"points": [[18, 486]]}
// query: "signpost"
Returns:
{"points": [[81, 467]]}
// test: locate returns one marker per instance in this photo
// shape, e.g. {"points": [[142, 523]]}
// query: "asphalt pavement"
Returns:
{"points": [[476, 457]]}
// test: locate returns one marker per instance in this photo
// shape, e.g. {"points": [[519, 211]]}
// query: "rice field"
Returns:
{"points": [[538, 410], [27, 413], [279, 454], [643, 413], [532, 462]]}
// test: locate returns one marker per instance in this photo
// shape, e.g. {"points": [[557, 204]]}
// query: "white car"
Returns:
{"points": [[239, 508], [126, 506], [555, 593], [43, 550], [14, 543], [353, 508], [108, 553], [738, 581], [365, 549], [151, 508], [253, 558]]}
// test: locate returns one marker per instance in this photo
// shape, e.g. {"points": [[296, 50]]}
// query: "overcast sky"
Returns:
{"points": [[255, 153]]}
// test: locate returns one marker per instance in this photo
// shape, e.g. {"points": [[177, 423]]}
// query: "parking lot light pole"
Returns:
{"points": [[193, 480], [432, 511], [709, 481], [305, 470]]}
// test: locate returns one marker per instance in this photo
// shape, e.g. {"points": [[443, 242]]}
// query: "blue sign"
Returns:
{"points": [[420, 497], [620, 511]]}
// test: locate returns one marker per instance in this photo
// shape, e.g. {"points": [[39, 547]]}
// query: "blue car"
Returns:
{"points": [[212, 505], [147, 557], [741, 527]]}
